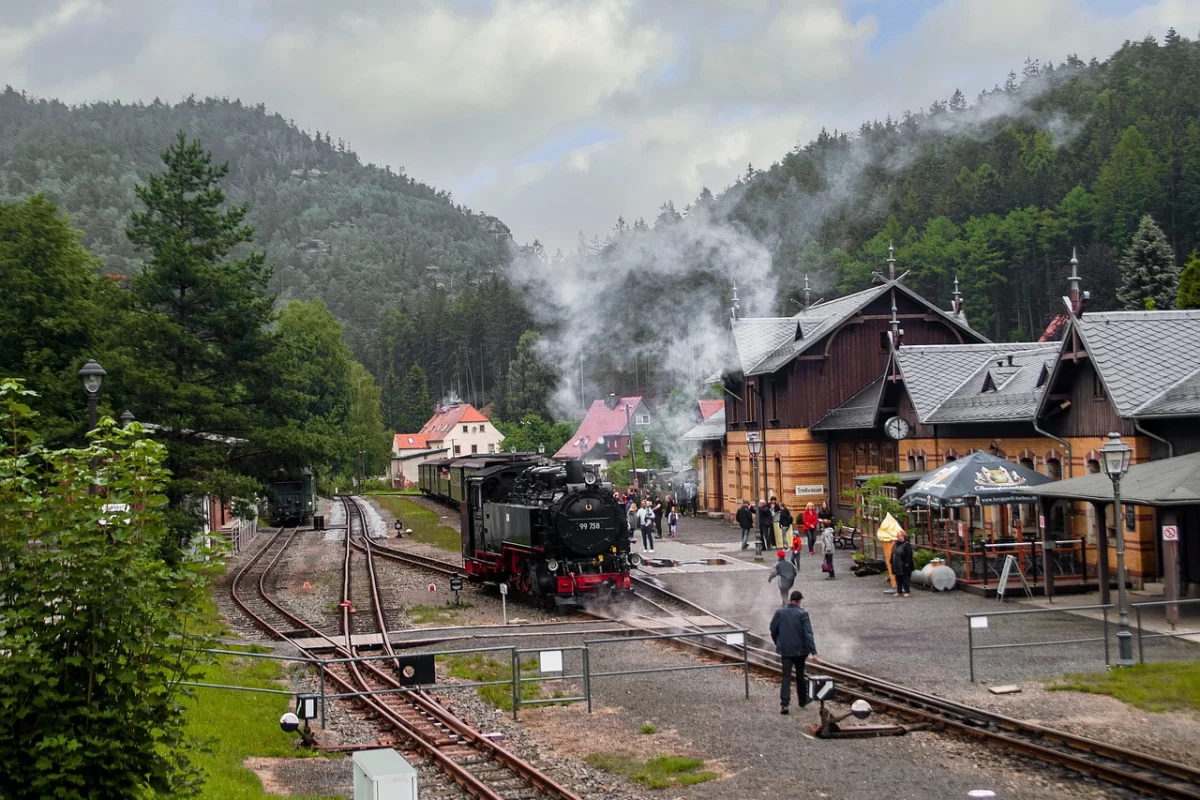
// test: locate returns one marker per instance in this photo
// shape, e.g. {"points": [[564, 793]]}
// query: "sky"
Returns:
{"points": [[558, 116]]}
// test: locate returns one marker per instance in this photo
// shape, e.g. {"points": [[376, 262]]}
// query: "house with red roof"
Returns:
{"points": [[454, 430], [710, 407], [603, 435]]}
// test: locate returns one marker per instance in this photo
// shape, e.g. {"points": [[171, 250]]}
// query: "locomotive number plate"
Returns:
{"points": [[589, 526]]}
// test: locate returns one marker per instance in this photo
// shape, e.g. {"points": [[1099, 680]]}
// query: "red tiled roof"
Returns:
{"points": [[1055, 330], [447, 417], [710, 407], [599, 421], [411, 441]]}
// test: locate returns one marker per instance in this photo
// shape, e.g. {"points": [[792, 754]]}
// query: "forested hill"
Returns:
{"points": [[996, 190], [355, 235]]}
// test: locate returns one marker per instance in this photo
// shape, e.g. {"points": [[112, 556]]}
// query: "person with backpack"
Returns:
{"points": [[673, 522], [786, 574]]}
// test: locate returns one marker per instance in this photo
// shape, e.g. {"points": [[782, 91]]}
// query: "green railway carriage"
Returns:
{"points": [[445, 479]]}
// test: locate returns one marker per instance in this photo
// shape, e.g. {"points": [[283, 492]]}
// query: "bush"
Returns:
{"points": [[921, 557]]}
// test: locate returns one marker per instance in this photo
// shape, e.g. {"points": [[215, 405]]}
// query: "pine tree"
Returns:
{"points": [[416, 403], [1189, 284], [530, 381], [1126, 186], [1148, 269], [198, 359]]}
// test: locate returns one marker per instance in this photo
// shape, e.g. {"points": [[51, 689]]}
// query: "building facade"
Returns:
{"points": [[604, 434]]}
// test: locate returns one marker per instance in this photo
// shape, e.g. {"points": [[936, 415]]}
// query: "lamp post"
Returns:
{"points": [[93, 376], [362, 461], [628, 427], [126, 418], [541, 449], [754, 443], [1115, 456]]}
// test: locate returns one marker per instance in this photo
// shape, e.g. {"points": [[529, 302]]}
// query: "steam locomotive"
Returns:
{"points": [[548, 530]]}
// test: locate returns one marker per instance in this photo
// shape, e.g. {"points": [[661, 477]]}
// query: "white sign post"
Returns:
{"points": [[504, 601]]}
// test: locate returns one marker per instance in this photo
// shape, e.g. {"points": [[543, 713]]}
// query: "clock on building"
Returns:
{"points": [[897, 428]]}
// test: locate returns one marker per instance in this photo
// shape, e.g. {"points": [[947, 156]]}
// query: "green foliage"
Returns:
{"points": [[1126, 186], [478, 668], [529, 383], [95, 623], [1189, 284], [660, 772], [532, 430], [921, 557], [1167, 686], [1150, 278], [438, 615], [425, 524], [648, 728], [620, 472], [873, 502], [55, 310], [414, 406]]}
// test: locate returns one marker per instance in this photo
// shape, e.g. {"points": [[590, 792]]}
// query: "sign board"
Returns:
{"points": [[550, 661], [753, 436], [1042, 521], [1170, 533], [504, 588], [735, 639], [815, 488], [978, 622], [1130, 520], [820, 687]]}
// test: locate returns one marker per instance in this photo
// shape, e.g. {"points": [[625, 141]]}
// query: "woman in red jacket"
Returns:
{"points": [[810, 525]]}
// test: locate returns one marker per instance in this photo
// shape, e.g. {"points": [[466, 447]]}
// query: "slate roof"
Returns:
{"points": [[600, 421], [974, 382], [713, 427], [764, 344], [1148, 360], [1167, 482], [856, 413]]}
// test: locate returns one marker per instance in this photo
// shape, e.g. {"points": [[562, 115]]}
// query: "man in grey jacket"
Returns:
{"points": [[791, 630], [786, 572]]}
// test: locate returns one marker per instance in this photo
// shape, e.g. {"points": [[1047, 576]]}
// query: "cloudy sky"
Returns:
{"points": [[557, 116]]}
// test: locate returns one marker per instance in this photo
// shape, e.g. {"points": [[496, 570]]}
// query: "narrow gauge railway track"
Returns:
{"points": [[431, 733], [1121, 766]]}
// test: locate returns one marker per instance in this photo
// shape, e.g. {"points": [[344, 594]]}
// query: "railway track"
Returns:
{"points": [[432, 738], [1123, 767]]}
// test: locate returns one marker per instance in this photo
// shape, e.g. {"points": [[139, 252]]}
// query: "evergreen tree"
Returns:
{"points": [[530, 381], [1189, 284], [416, 404], [198, 353], [1148, 271], [1126, 186]]}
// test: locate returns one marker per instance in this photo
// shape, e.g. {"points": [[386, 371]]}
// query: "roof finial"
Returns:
{"points": [[733, 312], [891, 262], [1074, 280], [807, 293], [957, 305], [895, 323]]}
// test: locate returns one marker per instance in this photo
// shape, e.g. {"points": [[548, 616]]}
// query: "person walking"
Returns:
{"points": [[825, 516], [786, 574], [797, 546], [766, 526], [645, 520], [785, 520], [827, 547], [745, 521], [657, 505], [810, 520], [673, 522], [791, 631], [902, 564], [631, 519]]}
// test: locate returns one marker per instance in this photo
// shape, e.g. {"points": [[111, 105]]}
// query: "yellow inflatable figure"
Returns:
{"points": [[888, 530]]}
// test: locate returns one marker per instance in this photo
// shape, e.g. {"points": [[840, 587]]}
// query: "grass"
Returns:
{"points": [[426, 525], [648, 728], [1166, 686], [384, 492], [447, 615], [660, 772], [478, 667]]}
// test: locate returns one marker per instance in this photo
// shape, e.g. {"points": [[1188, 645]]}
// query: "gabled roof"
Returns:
{"points": [[600, 422], [1147, 359], [447, 417], [1166, 482], [856, 413], [411, 441], [712, 427], [956, 383], [710, 407], [765, 344]]}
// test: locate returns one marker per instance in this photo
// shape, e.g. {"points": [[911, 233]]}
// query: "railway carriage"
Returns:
{"points": [[295, 495]]}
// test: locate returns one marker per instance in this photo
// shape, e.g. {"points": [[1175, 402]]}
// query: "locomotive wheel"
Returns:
{"points": [[521, 582]]}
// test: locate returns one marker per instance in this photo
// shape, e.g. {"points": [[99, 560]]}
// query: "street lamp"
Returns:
{"points": [[754, 443], [646, 446], [126, 418], [1115, 456], [513, 449], [541, 449], [93, 376]]}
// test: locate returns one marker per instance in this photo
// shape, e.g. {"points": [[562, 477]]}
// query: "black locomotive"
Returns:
{"points": [[548, 530], [295, 495]]}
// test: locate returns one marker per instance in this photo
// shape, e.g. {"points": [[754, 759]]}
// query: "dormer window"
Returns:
{"points": [[799, 333], [1043, 376], [989, 383]]}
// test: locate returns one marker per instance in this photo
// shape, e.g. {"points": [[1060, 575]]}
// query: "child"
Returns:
{"points": [[797, 544], [673, 522]]}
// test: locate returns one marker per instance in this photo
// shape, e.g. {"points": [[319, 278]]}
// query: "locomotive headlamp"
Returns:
{"points": [[589, 478], [552, 565]]}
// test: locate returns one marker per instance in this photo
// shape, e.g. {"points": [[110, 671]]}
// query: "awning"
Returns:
{"points": [[977, 479], [1167, 482]]}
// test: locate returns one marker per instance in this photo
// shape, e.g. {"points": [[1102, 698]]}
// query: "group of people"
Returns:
{"points": [[776, 528], [645, 514]]}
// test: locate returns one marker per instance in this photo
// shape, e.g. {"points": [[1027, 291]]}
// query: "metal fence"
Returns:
{"points": [[551, 667], [980, 621]]}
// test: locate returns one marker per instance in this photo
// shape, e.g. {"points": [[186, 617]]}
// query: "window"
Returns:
{"points": [[643, 419], [778, 478], [845, 471], [737, 469], [457, 449], [474, 449], [751, 403], [491, 448], [464, 428], [1097, 386], [885, 341], [776, 391]]}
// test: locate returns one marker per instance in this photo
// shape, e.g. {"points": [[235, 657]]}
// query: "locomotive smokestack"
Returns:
{"points": [[574, 471]]}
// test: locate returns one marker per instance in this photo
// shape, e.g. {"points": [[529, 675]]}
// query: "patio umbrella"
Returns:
{"points": [[988, 479]]}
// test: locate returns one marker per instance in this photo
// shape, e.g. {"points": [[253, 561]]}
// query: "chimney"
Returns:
{"points": [[1010, 361], [611, 402], [891, 262], [956, 306], [733, 311], [807, 293], [1074, 280]]}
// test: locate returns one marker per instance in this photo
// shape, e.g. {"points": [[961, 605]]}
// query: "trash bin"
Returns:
{"points": [[318, 522]]}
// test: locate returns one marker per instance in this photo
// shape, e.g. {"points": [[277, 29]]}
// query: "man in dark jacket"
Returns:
{"points": [[791, 630], [786, 572], [745, 521], [902, 564], [766, 530]]}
